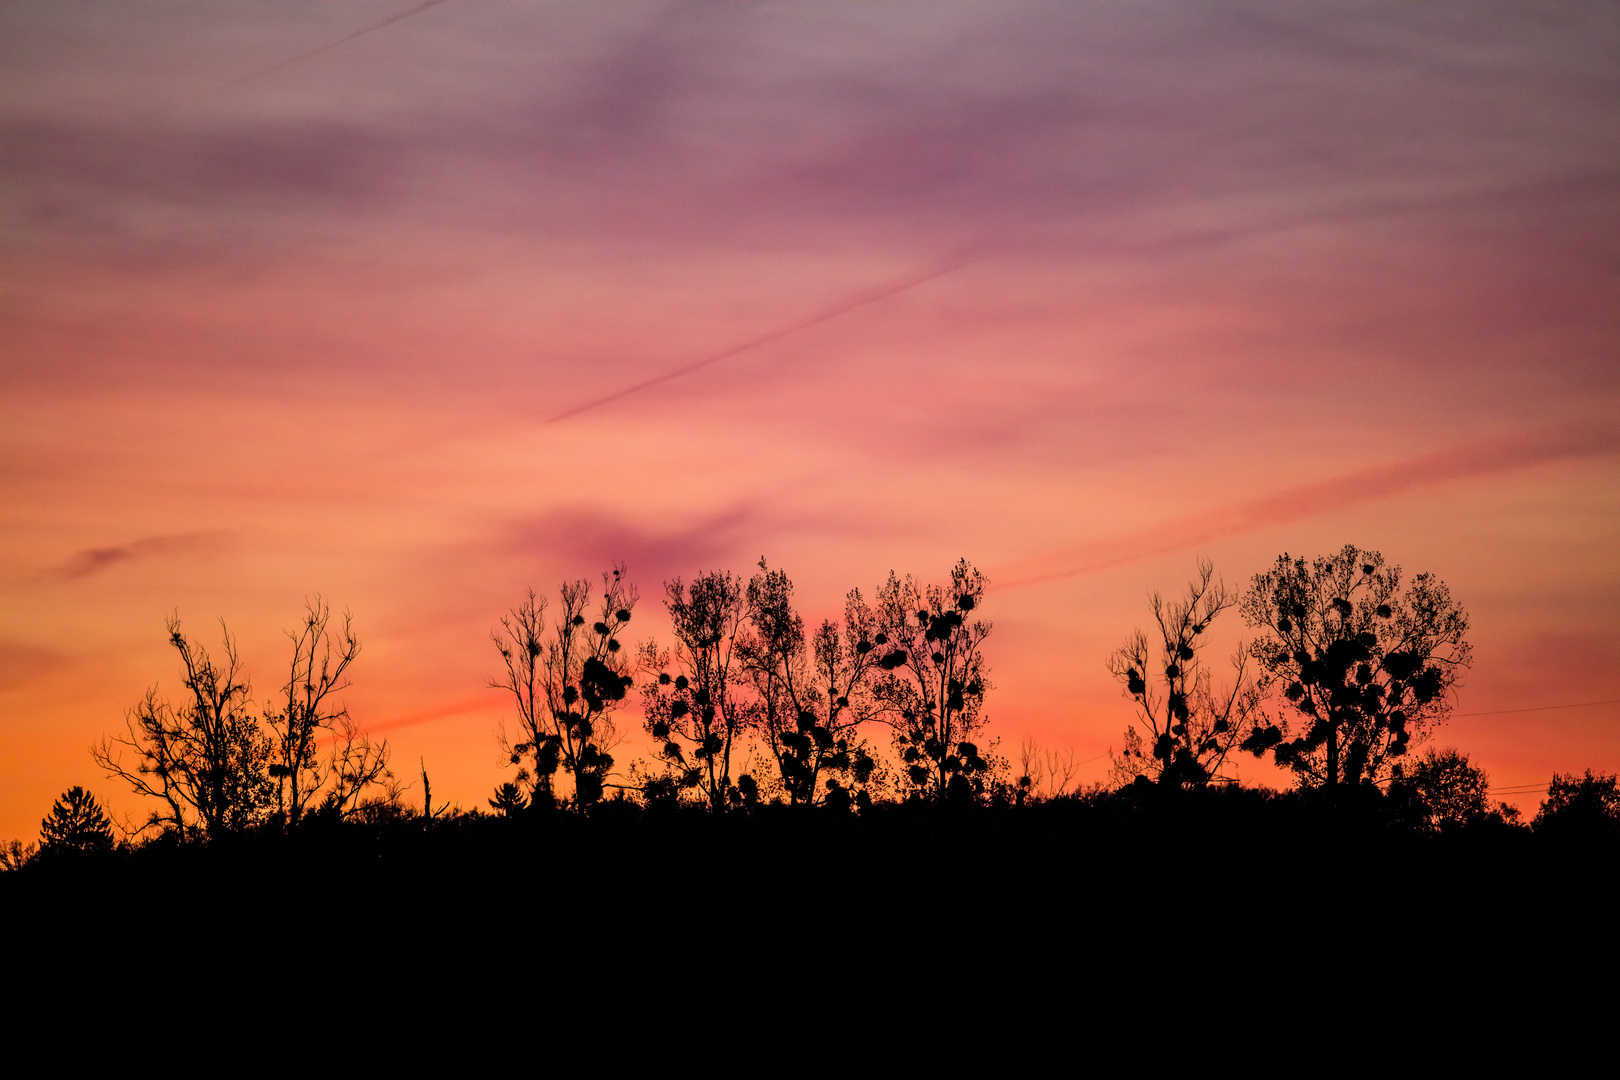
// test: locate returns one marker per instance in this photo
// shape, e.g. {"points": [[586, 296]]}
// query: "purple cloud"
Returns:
{"points": [[592, 540], [82, 564]]}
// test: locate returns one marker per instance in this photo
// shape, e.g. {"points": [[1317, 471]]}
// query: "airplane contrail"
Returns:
{"points": [[1425, 470], [877, 292], [344, 40]]}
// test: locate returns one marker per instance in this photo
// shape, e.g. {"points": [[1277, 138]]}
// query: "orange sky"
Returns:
{"points": [[499, 293]]}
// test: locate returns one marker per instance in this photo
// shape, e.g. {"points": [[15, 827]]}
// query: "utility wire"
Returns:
{"points": [[1540, 708]]}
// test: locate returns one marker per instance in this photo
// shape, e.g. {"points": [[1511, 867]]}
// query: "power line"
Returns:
{"points": [[1541, 708]]}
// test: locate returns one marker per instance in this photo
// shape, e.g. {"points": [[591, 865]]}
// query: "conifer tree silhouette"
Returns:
{"points": [[75, 824], [508, 800]]}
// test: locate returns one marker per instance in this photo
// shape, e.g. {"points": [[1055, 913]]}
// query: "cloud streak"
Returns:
{"points": [[23, 664], [429, 715], [330, 45], [583, 536], [90, 561], [1426, 470]]}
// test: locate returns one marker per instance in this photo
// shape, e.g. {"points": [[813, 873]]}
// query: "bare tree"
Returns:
{"points": [[311, 713], [1043, 774], [205, 761], [567, 680], [934, 679], [812, 698], [699, 711], [357, 766], [1185, 728]]}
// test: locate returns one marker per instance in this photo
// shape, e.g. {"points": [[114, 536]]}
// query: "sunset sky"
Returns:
{"points": [[417, 305]]}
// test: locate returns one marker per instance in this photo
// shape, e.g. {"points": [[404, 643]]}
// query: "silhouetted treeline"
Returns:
{"points": [[1581, 810], [826, 828], [1351, 669]]}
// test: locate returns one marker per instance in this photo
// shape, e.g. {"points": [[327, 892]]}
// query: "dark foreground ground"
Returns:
{"points": [[1232, 919]]}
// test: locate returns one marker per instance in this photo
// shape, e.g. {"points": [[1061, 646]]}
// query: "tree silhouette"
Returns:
{"points": [[1184, 727], [14, 854], [317, 672], [697, 714], [1444, 789], [76, 824], [933, 680], [206, 761], [567, 681], [1043, 775], [1581, 805], [812, 697], [508, 800], [1367, 667]]}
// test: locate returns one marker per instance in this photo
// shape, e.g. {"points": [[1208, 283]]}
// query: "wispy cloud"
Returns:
{"points": [[83, 564], [591, 537], [78, 167], [1425, 470], [22, 664]]}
